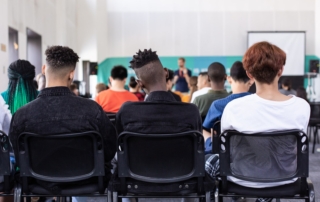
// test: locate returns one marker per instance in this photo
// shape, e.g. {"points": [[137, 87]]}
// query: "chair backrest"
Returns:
{"points": [[215, 137], [5, 170], [4, 154], [61, 158], [112, 117], [161, 158], [315, 110], [264, 157]]}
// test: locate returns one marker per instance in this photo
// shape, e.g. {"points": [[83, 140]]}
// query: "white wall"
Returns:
{"points": [[12, 52], [202, 27]]}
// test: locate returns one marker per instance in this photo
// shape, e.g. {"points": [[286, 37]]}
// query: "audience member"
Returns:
{"points": [[41, 79], [302, 93], [21, 89], [286, 87], [203, 85], [101, 87], [5, 116], [160, 113], [266, 111], [74, 89], [135, 89], [58, 111], [170, 84], [182, 76], [240, 85], [217, 76], [112, 99], [193, 88]]}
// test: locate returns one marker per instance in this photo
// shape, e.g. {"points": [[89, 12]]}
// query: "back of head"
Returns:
{"points": [[133, 82], [264, 61], [302, 93], [61, 60], [119, 73], [21, 89], [287, 83], [216, 72], [148, 69], [101, 87], [238, 73]]}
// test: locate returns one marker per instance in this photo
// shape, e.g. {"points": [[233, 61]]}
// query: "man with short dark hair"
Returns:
{"points": [[58, 111], [240, 85], [112, 99], [203, 85], [182, 76], [160, 113], [217, 76]]}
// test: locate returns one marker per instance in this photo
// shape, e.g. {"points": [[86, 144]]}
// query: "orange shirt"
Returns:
{"points": [[111, 101]]}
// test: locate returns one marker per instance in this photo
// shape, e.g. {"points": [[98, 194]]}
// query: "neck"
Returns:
{"points": [[117, 85], [270, 91], [217, 86], [57, 83], [133, 90], [240, 88], [160, 87]]}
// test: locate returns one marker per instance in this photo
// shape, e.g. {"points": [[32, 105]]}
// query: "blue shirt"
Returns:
{"points": [[217, 107], [182, 84]]}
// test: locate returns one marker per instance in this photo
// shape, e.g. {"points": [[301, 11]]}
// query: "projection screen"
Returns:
{"points": [[293, 43]]}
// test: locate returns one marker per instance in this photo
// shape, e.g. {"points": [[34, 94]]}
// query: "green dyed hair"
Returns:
{"points": [[21, 89]]}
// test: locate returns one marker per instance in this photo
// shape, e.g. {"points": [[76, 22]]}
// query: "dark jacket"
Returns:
{"points": [[58, 111], [160, 113]]}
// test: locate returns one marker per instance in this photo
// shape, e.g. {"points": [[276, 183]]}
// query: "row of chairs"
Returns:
{"points": [[149, 166]]}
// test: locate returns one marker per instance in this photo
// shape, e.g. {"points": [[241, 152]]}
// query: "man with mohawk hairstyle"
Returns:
{"points": [[160, 113]]}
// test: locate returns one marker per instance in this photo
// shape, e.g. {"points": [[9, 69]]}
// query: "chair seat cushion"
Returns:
{"points": [[279, 191]]}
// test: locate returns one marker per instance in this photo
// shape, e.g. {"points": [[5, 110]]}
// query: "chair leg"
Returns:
{"points": [[277, 200], [17, 194], [109, 196], [315, 133], [115, 196], [208, 196]]}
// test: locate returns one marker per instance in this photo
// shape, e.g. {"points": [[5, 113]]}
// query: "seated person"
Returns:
{"points": [[193, 88], [266, 111], [286, 87], [135, 89], [101, 87], [240, 85], [217, 77], [169, 81], [160, 113], [58, 111], [203, 85], [112, 99]]}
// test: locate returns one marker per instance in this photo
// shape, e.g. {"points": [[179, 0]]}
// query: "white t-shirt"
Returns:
{"points": [[253, 114], [5, 116], [200, 92]]}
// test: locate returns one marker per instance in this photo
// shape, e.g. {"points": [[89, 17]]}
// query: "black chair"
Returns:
{"points": [[215, 137], [61, 165], [5, 170], [265, 157], [112, 117], [314, 122], [161, 166]]}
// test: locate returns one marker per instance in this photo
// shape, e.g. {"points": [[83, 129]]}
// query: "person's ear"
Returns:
{"points": [[280, 72], [71, 75], [140, 83], [43, 69], [229, 79], [250, 76]]}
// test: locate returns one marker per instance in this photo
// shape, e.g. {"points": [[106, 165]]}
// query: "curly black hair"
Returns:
{"points": [[143, 57], [61, 56]]}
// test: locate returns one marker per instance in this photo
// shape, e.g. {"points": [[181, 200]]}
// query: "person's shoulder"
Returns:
{"points": [[301, 102], [242, 101], [131, 96]]}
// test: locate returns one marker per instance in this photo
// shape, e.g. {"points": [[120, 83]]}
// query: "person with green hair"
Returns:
{"points": [[21, 89]]}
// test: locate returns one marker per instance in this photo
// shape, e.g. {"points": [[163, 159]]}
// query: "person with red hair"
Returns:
{"points": [[265, 111]]}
